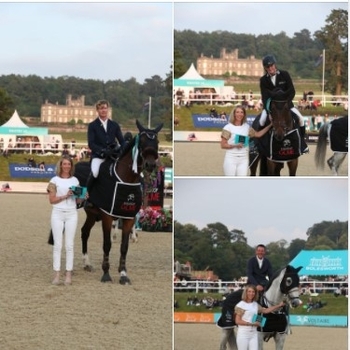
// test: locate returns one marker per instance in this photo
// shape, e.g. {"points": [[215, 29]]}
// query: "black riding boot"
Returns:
{"points": [[89, 185], [304, 146]]}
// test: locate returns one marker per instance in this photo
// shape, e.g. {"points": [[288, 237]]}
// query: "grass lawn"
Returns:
{"points": [[334, 305]]}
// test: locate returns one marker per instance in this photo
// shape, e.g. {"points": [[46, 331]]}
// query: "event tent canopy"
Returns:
{"points": [[322, 262], [194, 80]]}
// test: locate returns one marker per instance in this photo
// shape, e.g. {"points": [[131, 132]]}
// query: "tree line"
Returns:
{"points": [[300, 55], [128, 98], [226, 252]]}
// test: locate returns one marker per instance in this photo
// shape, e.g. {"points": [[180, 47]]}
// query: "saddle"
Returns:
{"points": [[114, 197]]}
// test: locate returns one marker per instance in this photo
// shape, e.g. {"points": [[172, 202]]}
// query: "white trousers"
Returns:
{"points": [[95, 166], [236, 164], [247, 338], [67, 221], [295, 110]]}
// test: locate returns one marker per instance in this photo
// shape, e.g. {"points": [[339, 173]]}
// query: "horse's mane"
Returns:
{"points": [[128, 147], [274, 276]]}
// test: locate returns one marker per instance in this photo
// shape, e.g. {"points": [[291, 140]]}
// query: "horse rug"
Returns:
{"points": [[114, 197], [227, 318], [279, 151], [338, 135], [275, 323], [287, 149]]}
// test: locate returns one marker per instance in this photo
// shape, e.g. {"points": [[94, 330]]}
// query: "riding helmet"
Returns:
{"points": [[268, 60]]}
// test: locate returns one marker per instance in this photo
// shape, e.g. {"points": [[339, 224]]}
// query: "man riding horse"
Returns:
{"points": [[103, 135], [278, 85]]}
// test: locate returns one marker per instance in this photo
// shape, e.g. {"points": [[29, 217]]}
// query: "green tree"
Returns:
{"points": [[6, 106], [334, 37]]}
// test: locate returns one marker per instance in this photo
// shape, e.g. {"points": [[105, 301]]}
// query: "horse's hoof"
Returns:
{"points": [[88, 268], [106, 278], [124, 280]]}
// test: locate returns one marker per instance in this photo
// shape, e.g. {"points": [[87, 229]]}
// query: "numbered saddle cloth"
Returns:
{"points": [[338, 135], [287, 149], [113, 196]]}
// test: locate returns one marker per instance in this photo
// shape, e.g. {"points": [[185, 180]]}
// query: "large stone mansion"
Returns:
{"points": [[74, 109], [229, 63]]}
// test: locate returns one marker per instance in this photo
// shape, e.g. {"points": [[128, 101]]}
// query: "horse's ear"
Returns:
{"points": [[298, 269], [139, 126], [158, 128]]}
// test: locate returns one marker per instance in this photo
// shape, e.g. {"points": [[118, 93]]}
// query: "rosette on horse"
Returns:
{"points": [[117, 193]]}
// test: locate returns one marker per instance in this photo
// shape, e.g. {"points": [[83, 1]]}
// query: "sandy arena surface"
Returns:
{"points": [[88, 314], [206, 159], [207, 336]]}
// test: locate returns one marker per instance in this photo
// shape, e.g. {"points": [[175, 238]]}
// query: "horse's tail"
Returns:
{"points": [[320, 154]]}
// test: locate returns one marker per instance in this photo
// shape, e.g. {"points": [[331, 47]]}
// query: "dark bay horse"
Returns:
{"points": [[283, 286], [280, 145], [336, 132], [118, 194]]}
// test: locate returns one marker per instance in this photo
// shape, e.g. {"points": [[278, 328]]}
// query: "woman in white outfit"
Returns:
{"points": [[64, 216], [235, 140], [245, 310]]}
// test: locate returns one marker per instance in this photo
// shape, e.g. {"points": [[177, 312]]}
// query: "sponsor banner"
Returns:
{"points": [[295, 320], [194, 317], [322, 262], [319, 320], [22, 170], [206, 121], [155, 195], [6, 130]]}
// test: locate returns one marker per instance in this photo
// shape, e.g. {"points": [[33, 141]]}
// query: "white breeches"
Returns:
{"points": [[236, 164], [95, 166], [67, 221]]}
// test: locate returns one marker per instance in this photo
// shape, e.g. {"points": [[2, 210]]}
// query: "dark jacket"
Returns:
{"points": [[99, 139], [283, 90], [257, 275]]}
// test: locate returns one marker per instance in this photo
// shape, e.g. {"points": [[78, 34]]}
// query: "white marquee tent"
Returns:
{"points": [[16, 134]]}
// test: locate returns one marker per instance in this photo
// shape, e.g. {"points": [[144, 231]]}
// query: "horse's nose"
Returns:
{"points": [[296, 302]]}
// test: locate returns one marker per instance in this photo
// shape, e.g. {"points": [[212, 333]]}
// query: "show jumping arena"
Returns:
{"points": [[206, 159], [88, 314], [198, 336]]}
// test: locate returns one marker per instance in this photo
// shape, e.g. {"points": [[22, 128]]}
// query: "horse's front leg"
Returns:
{"points": [[107, 245], [85, 234], [280, 339], [124, 247]]}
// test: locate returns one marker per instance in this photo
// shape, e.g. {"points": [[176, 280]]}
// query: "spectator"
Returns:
{"points": [[31, 162]]}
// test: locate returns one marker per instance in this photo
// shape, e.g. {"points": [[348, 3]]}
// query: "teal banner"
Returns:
{"points": [[307, 320], [322, 262], [5, 130], [199, 83]]}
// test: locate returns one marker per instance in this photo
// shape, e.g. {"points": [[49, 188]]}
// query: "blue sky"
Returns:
{"points": [[254, 17], [104, 41], [266, 209]]}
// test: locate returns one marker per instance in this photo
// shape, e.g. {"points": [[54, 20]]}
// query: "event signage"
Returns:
{"points": [[206, 121], [322, 262], [155, 194], [295, 320], [6, 130], [23, 170]]}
